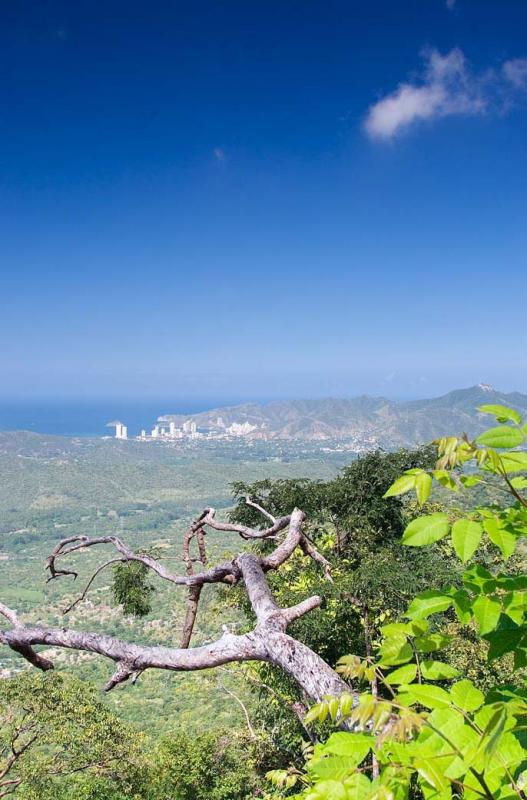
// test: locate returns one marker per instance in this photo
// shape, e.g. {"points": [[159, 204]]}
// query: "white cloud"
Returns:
{"points": [[448, 87], [515, 71]]}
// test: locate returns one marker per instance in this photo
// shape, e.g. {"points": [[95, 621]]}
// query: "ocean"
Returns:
{"points": [[83, 418]]}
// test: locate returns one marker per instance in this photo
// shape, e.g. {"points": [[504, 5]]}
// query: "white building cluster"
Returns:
{"points": [[240, 429], [163, 430], [166, 430]]}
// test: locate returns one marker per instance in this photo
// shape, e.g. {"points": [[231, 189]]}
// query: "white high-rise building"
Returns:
{"points": [[121, 431], [189, 426]]}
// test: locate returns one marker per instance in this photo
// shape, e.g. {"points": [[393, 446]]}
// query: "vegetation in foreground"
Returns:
{"points": [[421, 727]]}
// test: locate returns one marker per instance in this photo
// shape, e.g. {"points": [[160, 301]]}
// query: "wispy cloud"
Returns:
{"points": [[450, 4], [447, 87], [219, 154], [515, 71]]}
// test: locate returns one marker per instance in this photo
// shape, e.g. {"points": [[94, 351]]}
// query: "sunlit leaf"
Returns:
{"points": [[437, 671], [465, 695], [487, 613], [402, 485], [427, 603], [503, 436], [502, 413], [500, 536], [426, 530], [466, 536], [423, 487], [404, 674], [428, 696]]}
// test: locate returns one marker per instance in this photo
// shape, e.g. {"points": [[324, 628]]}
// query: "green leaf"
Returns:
{"points": [[404, 674], [317, 713], [423, 487], [505, 639], [444, 478], [431, 642], [427, 603], [413, 628], [437, 671], [462, 604], [487, 613], [500, 536], [428, 696], [515, 605], [470, 480], [355, 746], [358, 787], [432, 770], [426, 530], [333, 768], [502, 413], [395, 650], [478, 579], [465, 695], [401, 486], [514, 462], [331, 789], [504, 436], [466, 536]]}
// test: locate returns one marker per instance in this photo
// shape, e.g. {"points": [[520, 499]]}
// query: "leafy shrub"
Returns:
{"points": [[420, 723]]}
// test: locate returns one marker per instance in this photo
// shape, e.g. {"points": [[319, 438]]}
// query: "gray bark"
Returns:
{"points": [[269, 641]]}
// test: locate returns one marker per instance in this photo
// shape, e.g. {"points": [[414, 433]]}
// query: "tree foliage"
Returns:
{"points": [[208, 766], [373, 575], [419, 722], [132, 589], [54, 728]]}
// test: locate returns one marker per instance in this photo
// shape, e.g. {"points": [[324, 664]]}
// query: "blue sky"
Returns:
{"points": [[263, 199]]}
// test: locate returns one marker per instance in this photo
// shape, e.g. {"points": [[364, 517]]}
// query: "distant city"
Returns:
{"points": [[359, 424], [168, 431]]}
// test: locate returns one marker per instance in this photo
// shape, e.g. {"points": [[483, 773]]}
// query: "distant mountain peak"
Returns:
{"points": [[486, 387]]}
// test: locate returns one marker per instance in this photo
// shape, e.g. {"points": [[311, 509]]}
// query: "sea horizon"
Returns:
{"points": [[78, 417], [89, 418]]}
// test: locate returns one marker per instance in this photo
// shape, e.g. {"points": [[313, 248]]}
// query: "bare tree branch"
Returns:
{"points": [[242, 706], [245, 532], [9, 614], [259, 508], [91, 580], [268, 641], [309, 549], [194, 593]]}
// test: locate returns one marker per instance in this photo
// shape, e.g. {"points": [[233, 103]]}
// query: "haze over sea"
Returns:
{"points": [[89, 418]]}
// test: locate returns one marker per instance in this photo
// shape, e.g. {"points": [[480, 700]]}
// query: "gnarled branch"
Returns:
{"points": [[268, 641]]}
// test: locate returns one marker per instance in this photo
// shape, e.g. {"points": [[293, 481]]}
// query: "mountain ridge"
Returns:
{"points": [[369, 421]]}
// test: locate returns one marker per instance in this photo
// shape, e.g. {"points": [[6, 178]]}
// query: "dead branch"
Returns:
{"points": [[268, 641], [259, 508]]}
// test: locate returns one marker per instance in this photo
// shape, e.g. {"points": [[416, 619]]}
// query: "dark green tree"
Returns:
{"points": [[54, 729]]}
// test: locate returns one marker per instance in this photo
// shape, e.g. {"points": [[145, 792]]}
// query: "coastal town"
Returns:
{"points": [[165, 430]]}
